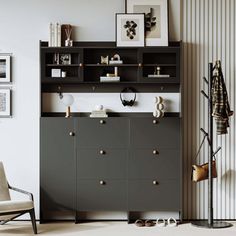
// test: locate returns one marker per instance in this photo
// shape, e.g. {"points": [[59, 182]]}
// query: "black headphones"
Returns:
{"points": [[126, 102]]}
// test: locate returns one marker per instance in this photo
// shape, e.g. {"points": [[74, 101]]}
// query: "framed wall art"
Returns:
{"points": [[5, 69], [156, 19], [5, 102], [130, 30]]}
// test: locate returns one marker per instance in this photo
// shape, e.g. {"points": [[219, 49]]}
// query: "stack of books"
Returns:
{"points": [[100, 113]]}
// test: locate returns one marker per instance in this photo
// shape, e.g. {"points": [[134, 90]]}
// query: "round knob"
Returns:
{"points": [[102, 121], [155, 152], [101, 182], [72, 133], [102, 152], [81, 64], [140, 64], [154, 121], [155, 182]]}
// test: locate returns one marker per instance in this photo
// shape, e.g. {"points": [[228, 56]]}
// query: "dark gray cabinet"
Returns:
{"points": [[112, 164], [57, 168]]}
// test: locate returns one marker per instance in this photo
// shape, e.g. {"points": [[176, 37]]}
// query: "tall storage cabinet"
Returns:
{"points": [[57, 168], [128, 162]]}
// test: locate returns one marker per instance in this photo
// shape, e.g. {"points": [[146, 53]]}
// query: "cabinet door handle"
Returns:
{"points": [[102, 121], [72, 133], [154, 182], [81, 64], [155, 152], [102, 182], [102, 152], [154, 121]]}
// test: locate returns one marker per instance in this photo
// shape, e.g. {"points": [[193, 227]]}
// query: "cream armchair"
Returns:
{"points": [[10, 209]]}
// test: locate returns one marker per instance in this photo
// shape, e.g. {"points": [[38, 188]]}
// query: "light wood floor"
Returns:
{"points": [[109, 229]]}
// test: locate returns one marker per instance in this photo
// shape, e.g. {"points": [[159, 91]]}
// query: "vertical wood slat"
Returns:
{"points": [[209, 33]]}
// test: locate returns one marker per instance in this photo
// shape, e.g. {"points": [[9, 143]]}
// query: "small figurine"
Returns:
{"points": [[104, 60]]}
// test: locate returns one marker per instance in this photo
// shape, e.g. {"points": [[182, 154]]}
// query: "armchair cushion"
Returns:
{"points": [[11, 206]]}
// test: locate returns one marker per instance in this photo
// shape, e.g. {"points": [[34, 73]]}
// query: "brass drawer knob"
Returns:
{"points": [[154, 182], [102, 152], [155, 152], [154, 122], [72, 133], [101, 182], [102, 121]]}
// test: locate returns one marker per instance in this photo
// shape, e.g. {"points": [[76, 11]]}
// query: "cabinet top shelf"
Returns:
{"points": [[107, 44]]}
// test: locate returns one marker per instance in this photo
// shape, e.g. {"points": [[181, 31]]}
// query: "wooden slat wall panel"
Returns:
{"points": [[209, 33]]}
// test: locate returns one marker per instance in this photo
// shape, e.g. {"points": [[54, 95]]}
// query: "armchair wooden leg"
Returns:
{"points": [[32, 216]]}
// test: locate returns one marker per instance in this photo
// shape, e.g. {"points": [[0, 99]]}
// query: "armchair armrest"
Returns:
{"points": [[21, 191]]}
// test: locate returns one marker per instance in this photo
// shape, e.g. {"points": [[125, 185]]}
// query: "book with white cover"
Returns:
{"points": [[109, 79], [50, 35], [158, 76], [58, 35], [115, 62], [53, 35]]}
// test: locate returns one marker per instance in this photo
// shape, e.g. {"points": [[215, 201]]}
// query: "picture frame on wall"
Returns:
{"points": [[5, 102], [5, 68], [130, 30], [156, 19]]}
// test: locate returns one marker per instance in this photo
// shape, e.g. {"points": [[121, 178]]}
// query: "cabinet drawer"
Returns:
{"points": [[92, 195], [143, 195], [101, 163], [97, 132], [154, 163], [150, 132]]}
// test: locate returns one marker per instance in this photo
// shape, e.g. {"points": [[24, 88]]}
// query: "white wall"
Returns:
{"points": [[22, 24]]}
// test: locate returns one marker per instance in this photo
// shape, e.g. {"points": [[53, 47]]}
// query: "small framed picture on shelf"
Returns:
{"points": [[156, 19], [5, 102], [5, 69], [65, 59], [129, 30]]}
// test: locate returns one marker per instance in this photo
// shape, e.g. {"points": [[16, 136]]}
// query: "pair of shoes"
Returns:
{"points": [[171, 222], [142, 223]]}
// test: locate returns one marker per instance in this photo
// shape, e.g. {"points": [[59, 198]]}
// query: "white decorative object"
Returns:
{"points": [[56, 72], [63, 74], [158, 107], [99, 107]]}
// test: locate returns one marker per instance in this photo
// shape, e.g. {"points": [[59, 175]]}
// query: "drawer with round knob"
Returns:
{"points": [[154, 162], [95, 132], [149, 132], [102, 195], [101, 163], [153, 195]]}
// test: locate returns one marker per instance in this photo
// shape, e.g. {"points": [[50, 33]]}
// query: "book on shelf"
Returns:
{"points": [[109, 79], [158, 76], [100, 113], [54, 35], [115, 62]]}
